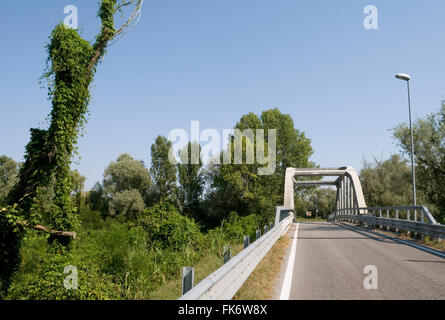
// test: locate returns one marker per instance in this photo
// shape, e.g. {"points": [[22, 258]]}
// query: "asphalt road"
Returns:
{"points": [[330, 260]]}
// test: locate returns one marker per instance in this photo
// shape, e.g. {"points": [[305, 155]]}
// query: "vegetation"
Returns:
{"points": [[429, 151], [132, 232], [239, 187], [313, 199], [138, 227]]}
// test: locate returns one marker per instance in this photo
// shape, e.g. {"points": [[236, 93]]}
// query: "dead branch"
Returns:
{"points": [[39, 227]]}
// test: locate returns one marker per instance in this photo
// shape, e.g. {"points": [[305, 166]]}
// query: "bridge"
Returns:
{"points": [[351, 256]]}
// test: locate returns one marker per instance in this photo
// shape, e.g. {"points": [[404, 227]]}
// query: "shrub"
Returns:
{"points": [[41, 276], [168, 229]]}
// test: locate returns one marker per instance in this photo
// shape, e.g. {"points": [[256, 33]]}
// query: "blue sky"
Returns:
{"points": [[214, 60]]}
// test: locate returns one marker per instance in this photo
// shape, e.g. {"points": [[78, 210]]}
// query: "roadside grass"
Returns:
{"points": [[260, 285], [172, 289]]}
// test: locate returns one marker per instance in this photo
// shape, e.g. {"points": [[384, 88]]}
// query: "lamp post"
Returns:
{"points": [[407, 78]]}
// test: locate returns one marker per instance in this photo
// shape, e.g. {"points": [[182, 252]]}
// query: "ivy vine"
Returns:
{"points": [[70, 69]]}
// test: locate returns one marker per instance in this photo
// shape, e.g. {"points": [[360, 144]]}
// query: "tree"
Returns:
{"points": [[8, 176], [125, 185], [429, 151], [191, 181], [71, 65], [163, 172], [126, 174], [128, 203], [96, 200], [77, 186], [386, 183], [311, 199], [240, 187]]}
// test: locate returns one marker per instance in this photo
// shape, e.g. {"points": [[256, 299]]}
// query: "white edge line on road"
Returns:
{"points": [[287, 282]]}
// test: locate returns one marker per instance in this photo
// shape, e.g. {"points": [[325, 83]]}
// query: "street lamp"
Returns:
{"points": [[407, 78]]}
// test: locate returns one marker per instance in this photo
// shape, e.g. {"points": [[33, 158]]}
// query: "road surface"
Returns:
{"points": [[330, 260]]}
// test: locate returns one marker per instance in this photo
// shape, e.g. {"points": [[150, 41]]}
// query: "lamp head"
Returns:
{"points": [[403, 76]]}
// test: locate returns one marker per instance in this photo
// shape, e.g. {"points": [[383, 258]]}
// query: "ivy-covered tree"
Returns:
{"points": [[71, 65]]}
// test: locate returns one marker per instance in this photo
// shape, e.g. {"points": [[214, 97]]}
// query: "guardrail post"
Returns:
{"points": [[380, 216], [246, 241], [408, 217], [258, 234], [416, 234], [371, 212], [227, 254], [387, 217], [270, 226], [265, 229], [188, 279], [397, 218]]}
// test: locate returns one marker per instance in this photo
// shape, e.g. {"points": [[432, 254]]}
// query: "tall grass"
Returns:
{"points": [[121, 259]]}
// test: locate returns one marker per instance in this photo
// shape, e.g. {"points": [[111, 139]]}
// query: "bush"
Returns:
{"points": [[232, 230], [168, 229], [90, 219], [41, 276]]}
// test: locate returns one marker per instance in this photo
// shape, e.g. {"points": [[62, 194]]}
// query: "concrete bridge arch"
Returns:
{"points": [[349, 189]]}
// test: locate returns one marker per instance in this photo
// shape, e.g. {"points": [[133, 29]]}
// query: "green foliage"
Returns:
{"points": [[232, 230], [141, 255], [429, 151], [41, 276], [236, 227], [386, 183], [191, 181], [11, 233], [71, 65], [239, 187], [91, 219], [95, 199], [126, 174], [163, 171], [77, 186], [128, 203], [168, 229], [125, 189], [311, 199], [8, 176]]}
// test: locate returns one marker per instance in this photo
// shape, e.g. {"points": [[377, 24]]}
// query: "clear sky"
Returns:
{"points": [[215, 60]]}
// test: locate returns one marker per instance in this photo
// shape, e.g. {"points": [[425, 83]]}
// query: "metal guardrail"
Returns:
{"points": [[224, 283], [416, 219]]}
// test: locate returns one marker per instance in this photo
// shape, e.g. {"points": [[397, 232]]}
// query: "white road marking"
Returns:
{"points": [[285, 290]]}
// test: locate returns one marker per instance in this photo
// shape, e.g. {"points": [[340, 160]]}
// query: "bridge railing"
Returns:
{"points": [[225, 282], [415, 219]]}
